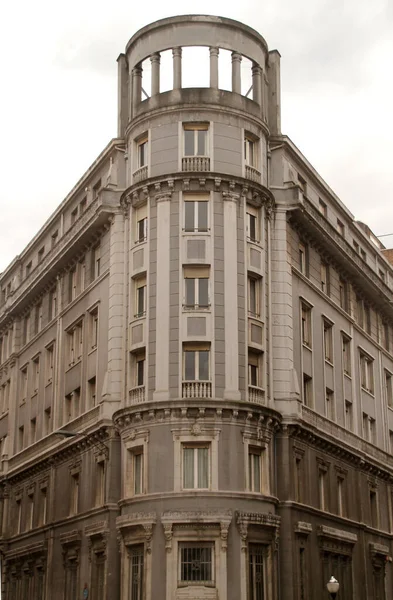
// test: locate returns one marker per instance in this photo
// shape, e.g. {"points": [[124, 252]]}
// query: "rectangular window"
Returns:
{"points": [[96, 189], [21, 438], [96, 262], [42, 505], [82, 205], [254, 296], [33, 430], [196, 364], [340, 227], [93, 329], [91, 392], [195, 139], [196, 564], [355, 246], [140, 297], [74, 215], [30, 511], [137, 470], [37, 318], [344, 295], [348, 415], [298, 477], [303, 259], [252, 224], [29, 267], [306, 324], [24, 379], [322, 487], [367, 372], [75, 343], [307, 390], [255, 469], [196, 215], [195, 460], [359, 311], [346, 354], [363, 254], [250, 151], [142, 149], [325, 279], [196, 281], [26, 329], [367, 318], [322, 208], [328, 340], [54, 238], [329, 396], [100, 483], [52, 304], [256, 583], [136, 579], [141, 224], [341, 496], [389, 389], [140, 369], [385, 338], [74, 497], [254, 369], [36, 374], [47, 421], [373, 508], [302, 183]]}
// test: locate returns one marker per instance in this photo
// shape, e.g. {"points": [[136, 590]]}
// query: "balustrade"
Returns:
{"points": [[256, 394], [196, 163], [197, 389], [137, 395], [253, 174], [140, 174]]}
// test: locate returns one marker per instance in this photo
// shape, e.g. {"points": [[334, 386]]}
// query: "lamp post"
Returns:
{"points": [[332, 587]]}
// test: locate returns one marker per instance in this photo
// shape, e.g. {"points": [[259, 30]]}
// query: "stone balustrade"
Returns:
{"points": [[196, 163], [140, 174], [256, 395], [253, 174], [137, 395], [197, 389]]}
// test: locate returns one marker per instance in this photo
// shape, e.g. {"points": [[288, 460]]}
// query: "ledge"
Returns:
{"points": [[337, 534]]}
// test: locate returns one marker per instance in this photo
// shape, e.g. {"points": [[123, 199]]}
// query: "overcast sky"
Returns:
{"points": [[58, 106]]}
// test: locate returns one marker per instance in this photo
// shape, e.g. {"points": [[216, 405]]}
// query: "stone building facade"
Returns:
{"points": [[210, 330]]}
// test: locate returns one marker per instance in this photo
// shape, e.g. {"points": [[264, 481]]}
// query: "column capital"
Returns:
{"points": [[231, 196], [256, 69], [137, 70], [155, 57], [177, 51], [163, 197], [236, 56], [214, 50]]}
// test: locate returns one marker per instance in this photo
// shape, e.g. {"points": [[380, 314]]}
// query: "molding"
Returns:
{"points": [[303, 527], [337, 534], [144, 521], [198, 520]]}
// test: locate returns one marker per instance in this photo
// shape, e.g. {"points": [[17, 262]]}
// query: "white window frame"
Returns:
{"points": [[138, 445], [257, 283], [255, 356], [196, 198], [366, 372], [141, 216], [196, 347], [143, 140], [195, 446], [181, 440], [195, 273], [346, 352], [253, 141], [253, 213], [306, 323], [195, 127], [328, 340], [140, 282]]}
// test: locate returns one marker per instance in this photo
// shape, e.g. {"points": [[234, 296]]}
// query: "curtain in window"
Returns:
{"points": [[203, 466], [188, 468]]}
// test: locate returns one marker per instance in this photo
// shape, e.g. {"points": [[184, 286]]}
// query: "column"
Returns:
{"points": [[256, 83], [214, 67], [136, 87], [236, 78], [176, 53], [155, 73], [122, 95], [162, 308], [231, 391]]}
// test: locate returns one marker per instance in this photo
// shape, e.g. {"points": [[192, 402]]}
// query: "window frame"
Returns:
{"points": [[203, 436], [140, 283], [195, 273], [196, 199], [197, 348], [253, 221], [133, 447], [196, 127], [366, 372], [181, 583], [306, 324], [195, 446]]}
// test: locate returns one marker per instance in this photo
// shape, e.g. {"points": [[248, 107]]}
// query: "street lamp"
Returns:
{"points": [[333, 587]]}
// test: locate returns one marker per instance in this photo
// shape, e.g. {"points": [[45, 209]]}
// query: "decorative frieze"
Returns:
{"points": [[303, 527], [143, 522], [197, 520]]}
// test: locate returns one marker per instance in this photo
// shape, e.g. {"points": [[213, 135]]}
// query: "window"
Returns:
{"points": [[52, 303], [388, 389], [91, 392], [36, 374], [142, 149], [47, 421], [74, 215], [23, 373], [325, 279], [341, 496], [72, 284], [367, 318], [195, 139], [254, 296], [322, 208], [75, 343], [306, 324], [302, 183], [254, 369], [93, 333], [141, 224], [256, 583], [140, 297], [250, 151], [196, 215], [363, 254], [340, 227], [42, 504], [28, 268], [322, 486], [136, 579], [21, 438], [196, 363], [303, 259], [82, 205], [33, 430], [344, 295], [37, 318], [140, 369], [346, 354], [137, 471], [54, 238], [19, 514], [307, 390], [100, 483], [385, 338], [369, 430], [30, 511], [96, 189], [255, 469], [328, 340], [40, 254], [299, 475], [373, 507], [367, 372], [348, 415], [26, 329], [195, 460], [196, 282], [74, 497], [196, 564], [329, 396], [355, 246], [96, 262], [252, 224]]}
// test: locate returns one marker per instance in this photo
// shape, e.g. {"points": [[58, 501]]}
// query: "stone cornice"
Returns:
{"points": [[186, 412], [26, 551], [337, 534], [230, 187], [303, 528]]}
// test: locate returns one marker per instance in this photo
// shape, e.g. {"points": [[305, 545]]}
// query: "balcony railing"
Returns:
{"points": [[256, 394], [137, 395], [140, 174], [196, 163], [253, 174], [197, 389]]}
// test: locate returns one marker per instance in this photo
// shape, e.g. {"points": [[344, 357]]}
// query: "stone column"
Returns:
{"points": [[136, 87], [231, 391], [122, 95], [162, 308], [214, 67], [176, 53], [236, 77], [257, 83], [155, 73]]}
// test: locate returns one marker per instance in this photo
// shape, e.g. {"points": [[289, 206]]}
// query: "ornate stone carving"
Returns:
{"points": [[231, 196], [303, 527], [168, 534]]}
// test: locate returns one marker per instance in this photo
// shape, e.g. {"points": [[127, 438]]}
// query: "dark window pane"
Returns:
{"points": [[140, 372], [204, 365], [201, 143], [189, 367], [189, 142], [203, 299], [190, 292], [189, 223], [202, 216]]}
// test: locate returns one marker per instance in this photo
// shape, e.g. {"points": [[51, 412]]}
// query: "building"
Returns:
{"points": [[211, 330]]}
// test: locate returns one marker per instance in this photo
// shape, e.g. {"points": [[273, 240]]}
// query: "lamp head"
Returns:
{"points": [[333, 586]]}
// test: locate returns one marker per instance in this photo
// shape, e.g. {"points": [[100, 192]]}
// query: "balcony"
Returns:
{"points": [[253, 174], [197, 389], [137, 395], [256, 395], [140, 174], [196, 163]]}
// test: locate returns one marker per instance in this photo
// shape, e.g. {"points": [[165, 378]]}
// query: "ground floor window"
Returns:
{"points": [[136, 554], [256, 583], [196, 564]]}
